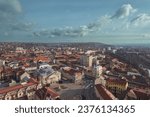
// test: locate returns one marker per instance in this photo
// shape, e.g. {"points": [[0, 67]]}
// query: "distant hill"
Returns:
{"points": [[61, 44], [84, 45]]}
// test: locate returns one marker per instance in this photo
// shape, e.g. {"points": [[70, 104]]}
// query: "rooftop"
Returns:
{"points": [[117, 81], [106, 95], [18, 86], [47, 92]]}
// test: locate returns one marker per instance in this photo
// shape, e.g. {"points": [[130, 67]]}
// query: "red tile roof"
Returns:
{"points": [[106, 95], [41, 58], [52, 93], [71, 71], [117, 81], [141, 94], [16, 87], [46, 91]]}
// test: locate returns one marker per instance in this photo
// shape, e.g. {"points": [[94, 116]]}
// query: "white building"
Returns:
{"points": [[20, 50], [47, 75], [97, 71], [13, 65], [2, 62], [148, 72], [43, 65], [86, 60], [73, 75]]}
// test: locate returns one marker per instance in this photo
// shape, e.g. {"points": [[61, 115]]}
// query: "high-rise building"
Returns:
{"points": [[86, 60], [97, 71]]}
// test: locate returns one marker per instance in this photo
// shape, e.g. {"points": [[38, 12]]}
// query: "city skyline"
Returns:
{"points": [[119, 22]]}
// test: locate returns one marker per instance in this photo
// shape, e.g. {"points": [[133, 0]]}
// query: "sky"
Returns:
{"points": [[50, 21]]}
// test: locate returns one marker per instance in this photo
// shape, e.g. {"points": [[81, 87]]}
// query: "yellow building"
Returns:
{"points": [[117, 86]]}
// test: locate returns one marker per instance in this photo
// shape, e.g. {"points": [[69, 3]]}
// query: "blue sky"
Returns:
{"points": [[106, 21]]}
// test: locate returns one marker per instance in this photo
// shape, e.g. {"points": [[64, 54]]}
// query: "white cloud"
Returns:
{"points": [[10, 6], [75, 32], [98, 25], [22, 26], [124, 11], [16, 5], [67, 31], [146, 35], [119, 23], [6, 33], [141, 20], [9, 9], [9, 20]]}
